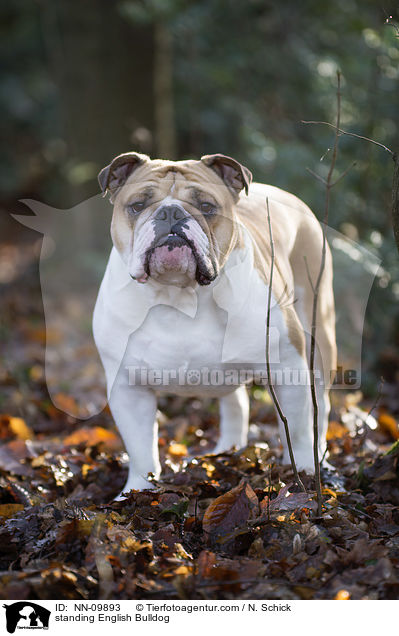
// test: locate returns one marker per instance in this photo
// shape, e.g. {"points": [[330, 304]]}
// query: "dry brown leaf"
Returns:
{"points": [[286, 501], [126, 539], [36, 373], [43, 335], [388, 424], [77, 528], [336, 430], [90, 436], [183, 570], [13, 456], [177, 450], [232, 571], [342, 595], [205, 562], [11, 426], [66, 403], [10, 510], [231, 510]]}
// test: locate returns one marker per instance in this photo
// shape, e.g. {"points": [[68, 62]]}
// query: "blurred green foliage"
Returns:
{"points": [[76, 88]]}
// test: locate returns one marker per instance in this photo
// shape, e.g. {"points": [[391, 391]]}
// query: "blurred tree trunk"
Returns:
{"points": [[163, 93], [102, 68], [395, 199]]}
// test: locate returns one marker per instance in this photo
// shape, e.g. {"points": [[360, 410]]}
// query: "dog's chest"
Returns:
{"points": [[170, 339]]}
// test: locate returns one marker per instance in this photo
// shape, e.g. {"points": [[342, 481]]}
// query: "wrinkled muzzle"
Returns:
{"points": [[173, 248]]}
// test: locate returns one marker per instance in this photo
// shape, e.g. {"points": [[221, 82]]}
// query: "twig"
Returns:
{"points": [[308, 273], [375, 403], [316, 176], [395, 200], [328, 184], [323, 458], [349, 134], [269, 378], [269, 491], [345, 172]]}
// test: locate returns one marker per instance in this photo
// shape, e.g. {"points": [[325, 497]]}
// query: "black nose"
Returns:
{"points": [[170, 214]]}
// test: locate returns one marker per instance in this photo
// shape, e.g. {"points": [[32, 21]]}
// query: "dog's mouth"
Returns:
{"points": [[176, 257]]}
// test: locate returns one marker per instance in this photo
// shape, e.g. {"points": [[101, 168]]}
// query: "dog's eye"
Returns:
{"points": [[207, 208], [136, 207]]}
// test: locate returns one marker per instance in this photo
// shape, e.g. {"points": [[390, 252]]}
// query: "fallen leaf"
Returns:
{"points": [[231, 510], [43, 335], [183, 570], [385, 467], [177, 450], [91, 436], [210, 469], [231, 572], [205, 562], [10, 510], [36, 373], [66, 403], [178, 509], [388, 424], [336, 430], [306, 593], [342, 595], [77, 528], [287, 501], [166, 536], [11, 426], [13, 456], [126, 539], [181, 552]]}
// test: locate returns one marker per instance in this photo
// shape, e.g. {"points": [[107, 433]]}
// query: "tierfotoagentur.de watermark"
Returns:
{"points": [[207, 376]]}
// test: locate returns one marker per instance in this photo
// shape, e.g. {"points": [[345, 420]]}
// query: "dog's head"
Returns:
{"points": [[174, 222]]}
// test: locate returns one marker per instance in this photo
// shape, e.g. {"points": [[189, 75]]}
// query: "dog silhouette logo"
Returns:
{"points": [[73, 255], [26, 615]]}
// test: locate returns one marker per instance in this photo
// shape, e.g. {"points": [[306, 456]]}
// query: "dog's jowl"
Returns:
{"points": [[183, 304]]}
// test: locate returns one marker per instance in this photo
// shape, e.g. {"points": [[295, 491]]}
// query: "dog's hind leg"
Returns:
{"points": [[325, 362]]}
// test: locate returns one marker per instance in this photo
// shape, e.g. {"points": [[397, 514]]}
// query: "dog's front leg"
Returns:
{"points": [[234, 415], [134, 411]]}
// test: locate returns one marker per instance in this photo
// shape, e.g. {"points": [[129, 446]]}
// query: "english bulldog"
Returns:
{"points": [[182, 306]]}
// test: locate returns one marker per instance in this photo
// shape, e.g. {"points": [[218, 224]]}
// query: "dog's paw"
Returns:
{"points": [[136, 483], [328, 466], [223, 447]]}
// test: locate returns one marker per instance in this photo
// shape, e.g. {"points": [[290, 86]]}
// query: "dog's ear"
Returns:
{"points": [[115, 175], [235, 176]]}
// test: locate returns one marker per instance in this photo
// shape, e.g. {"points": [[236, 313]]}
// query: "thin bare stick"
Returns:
{"points": [[324, 456], [329, 184], [308, 273], [376, 401], [317, 176], [269, 376], [349, 134], [345, 172], [395, 200]]}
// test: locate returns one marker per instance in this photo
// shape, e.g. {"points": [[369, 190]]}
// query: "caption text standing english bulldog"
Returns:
{"points": [[182, 306]]}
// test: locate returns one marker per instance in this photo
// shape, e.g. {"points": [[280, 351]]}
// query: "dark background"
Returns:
{"points": [[84, 81]]}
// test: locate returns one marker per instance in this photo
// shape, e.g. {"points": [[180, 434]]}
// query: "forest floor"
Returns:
{"points": [[225, 526]]}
